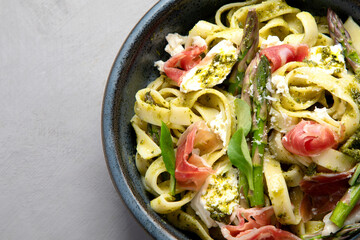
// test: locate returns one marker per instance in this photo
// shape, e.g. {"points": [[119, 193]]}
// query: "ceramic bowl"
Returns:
{"points": [[134, 68]]}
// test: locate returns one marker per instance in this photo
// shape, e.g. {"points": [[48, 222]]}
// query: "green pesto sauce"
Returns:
{"points": [[221, 196], [355, 94], [281, 216], [328, 59], [311, 63], [273, 9], [352, 146], [217, 69], [149, 99]]}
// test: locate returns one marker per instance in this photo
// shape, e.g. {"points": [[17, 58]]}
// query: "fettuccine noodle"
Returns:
{"points": [[299, 90]]}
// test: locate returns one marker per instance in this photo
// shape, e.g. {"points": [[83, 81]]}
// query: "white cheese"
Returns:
{"points": [[281, 121], [175, 43], [269, 87], [271, 99], [328, 58], [213, 69], [218, 197], [219, 126], [198, 41], [321, 113], [329, 227], [280, 84], [160, 65], [270, 41]]}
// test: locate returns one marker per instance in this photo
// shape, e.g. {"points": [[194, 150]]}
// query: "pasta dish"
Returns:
{"points": [[251, 130]]}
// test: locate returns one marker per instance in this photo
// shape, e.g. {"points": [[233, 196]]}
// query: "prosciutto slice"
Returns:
{"points": [[268, 232], [182, 62], [281, 54], [322, 192], [191, 170], [325, 183], [250, 218], [309, 138], [254, 224]]}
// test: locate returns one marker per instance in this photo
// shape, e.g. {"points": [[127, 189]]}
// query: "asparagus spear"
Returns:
{"points": [[248, 80], [355, 177], [345, 205], [239, 153], [348, 201], [246, 76], [339, 34], [248, 47], [260, 112], [243, 159]]}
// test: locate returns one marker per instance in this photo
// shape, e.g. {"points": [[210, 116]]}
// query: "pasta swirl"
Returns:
{"points": [[246, 108], [306, 86]]}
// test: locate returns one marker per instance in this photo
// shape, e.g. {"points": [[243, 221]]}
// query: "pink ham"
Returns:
{"points": [[182, 62], [254, 224], [309, 138], [282, 54], [250, 218], [191, 170], [268, 232]]}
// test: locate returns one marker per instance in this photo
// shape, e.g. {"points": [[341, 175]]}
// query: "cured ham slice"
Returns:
{"points": [[250, 218], [281, 54], [191, 170], [325, 183], [179, 64], [192, 73], [309, 138], [268, 232], [322, 192], [254, 224]]}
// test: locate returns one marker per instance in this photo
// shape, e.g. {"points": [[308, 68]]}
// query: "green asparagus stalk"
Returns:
{"points": [[339, 34], [237, 143], [345, 205], [238, 151], [248, 48], [355, 177], [348, 201], [259, 127], [248, 81]]}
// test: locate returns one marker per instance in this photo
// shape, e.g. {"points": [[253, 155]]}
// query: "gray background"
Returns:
{"points": [[54, 61]]}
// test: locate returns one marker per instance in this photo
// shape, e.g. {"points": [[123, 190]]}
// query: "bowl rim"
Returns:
{"points": [[117, 175]]}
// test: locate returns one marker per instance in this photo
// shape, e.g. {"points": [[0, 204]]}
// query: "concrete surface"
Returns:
{"points": [[54, 62]]}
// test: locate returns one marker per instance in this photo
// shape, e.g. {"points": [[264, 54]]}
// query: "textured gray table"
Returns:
{"points": [[54, 61]]}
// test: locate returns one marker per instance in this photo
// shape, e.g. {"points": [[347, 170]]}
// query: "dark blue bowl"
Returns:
{"points": [[133, 69]]}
